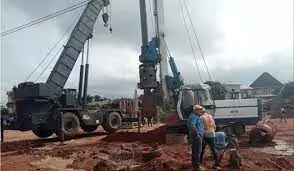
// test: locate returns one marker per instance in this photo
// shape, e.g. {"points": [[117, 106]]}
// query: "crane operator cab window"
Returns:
{"points": [[68, 98]]}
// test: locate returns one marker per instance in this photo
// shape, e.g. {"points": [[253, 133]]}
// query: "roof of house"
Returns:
{"points": [[245, 87], [266, 80]]}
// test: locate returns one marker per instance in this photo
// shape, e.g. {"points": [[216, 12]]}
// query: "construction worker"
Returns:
{"points": [[149, 120], [283, 115], [196, 129], [209, 136]]}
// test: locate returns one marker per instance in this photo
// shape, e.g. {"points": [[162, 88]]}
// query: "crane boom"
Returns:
{"points": [[81, 33]]}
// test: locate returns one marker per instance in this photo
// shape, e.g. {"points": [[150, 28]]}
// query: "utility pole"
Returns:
{"points": [[160, 33]]}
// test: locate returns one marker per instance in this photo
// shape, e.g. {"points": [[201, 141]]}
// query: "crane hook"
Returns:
{"points": [[105, 18]]}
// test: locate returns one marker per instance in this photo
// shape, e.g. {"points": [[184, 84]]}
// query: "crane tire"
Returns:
{"points": [[112, 122], [89, 128], [43, 133], [70, 125]]}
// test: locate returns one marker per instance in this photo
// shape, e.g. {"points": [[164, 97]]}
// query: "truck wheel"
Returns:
{"points": [[228, 130], [239, 129], [112, 122], [43, 133], [70, 125], [89, 128]]}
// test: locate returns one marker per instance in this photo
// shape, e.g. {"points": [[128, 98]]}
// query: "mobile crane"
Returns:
{"points": [[47, 107]]}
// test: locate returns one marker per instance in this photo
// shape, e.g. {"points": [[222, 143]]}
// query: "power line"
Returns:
{"points": [[42, 19], [198, 43], [192, 48]]}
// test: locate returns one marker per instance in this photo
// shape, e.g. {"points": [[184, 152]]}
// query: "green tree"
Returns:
{"points": [[97, 98], [89, 98], [284, 99], [4, 110], [287, 91], [218, 91]]}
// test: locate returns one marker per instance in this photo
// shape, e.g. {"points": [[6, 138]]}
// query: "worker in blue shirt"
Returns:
{"points": [[196, 130]]}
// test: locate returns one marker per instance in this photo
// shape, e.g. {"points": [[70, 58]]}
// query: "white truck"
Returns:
{"points": [[231, 116], [247, 111]]}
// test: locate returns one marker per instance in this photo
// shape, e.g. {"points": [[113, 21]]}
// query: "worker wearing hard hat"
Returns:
{"points": [[196, 129], [209, 136]]}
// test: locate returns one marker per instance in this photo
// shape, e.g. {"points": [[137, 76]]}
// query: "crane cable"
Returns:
{"points": [[197, 40], [51, 50], [151, 17], [167, 48], [191, 45], [110, 18], [42, 19], [49, 63], [213, 100], [65, 33]]}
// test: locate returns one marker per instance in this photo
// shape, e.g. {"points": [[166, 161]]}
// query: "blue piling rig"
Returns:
{"points": [[150, 58], [174, 82]]}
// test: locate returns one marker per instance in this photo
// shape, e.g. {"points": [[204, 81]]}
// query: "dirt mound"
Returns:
{"points": [[284, 163], [131, 156], [113, 156], [172, 117], [168, 165], [15, 146], [155, 136]]}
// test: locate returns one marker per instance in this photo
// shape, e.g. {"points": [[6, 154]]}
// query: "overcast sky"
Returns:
{"points": [[241, 39]]}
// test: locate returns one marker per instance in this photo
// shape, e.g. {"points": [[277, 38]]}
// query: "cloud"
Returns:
{"points": [[240, 39]]}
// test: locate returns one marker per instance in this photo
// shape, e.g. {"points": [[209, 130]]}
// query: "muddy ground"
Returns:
{"points": [[128, 151]]}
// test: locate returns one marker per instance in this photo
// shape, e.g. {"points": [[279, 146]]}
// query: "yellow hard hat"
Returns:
{"points": [[197, 108]]}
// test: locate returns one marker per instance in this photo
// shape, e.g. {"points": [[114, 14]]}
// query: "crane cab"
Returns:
{"points": [[192, 94]]}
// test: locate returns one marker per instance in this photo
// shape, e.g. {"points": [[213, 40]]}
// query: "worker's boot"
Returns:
{"points": [[198, 168], [216, 167]]}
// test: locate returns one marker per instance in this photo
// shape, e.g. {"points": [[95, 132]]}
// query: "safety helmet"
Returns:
{"points": [[197, 108]]}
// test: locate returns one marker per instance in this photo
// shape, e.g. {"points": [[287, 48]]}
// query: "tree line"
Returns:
{"points": [[96, 98]]}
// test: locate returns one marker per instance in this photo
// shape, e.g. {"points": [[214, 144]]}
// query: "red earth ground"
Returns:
{"points": [[124, 150]]}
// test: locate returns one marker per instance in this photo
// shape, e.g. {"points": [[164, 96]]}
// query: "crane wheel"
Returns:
{"points": [[70, 125], [112, 122], [89, 128], [43, 133]]}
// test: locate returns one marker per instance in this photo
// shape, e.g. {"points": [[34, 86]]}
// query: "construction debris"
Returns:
{"points": [[151, 153], [235, 160], [264, 131]]}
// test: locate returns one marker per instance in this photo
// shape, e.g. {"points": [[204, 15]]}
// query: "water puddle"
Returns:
{"points": [[280, 147], [53, 163]]}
